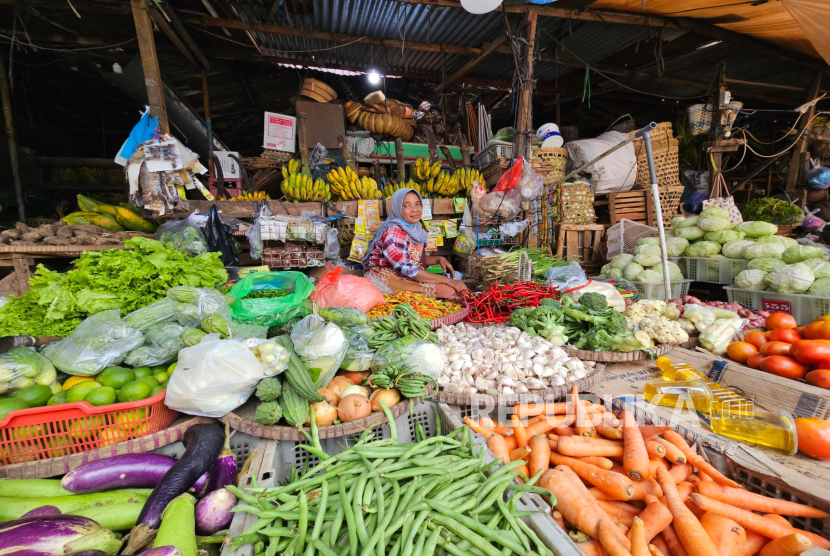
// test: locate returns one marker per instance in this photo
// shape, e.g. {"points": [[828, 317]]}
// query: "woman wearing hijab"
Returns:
{"points": [[396, 256]]}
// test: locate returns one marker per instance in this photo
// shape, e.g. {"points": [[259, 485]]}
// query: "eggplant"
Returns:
{"points": [[42, 511], [213, 512], [162, 551], [223, 472], [203, 443], [123, 472], [55, 536], [88, 553]]}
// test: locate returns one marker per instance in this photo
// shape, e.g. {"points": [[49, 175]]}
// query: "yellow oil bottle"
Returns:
{"points": [[682, 393], [773, 430], [722, 397]]}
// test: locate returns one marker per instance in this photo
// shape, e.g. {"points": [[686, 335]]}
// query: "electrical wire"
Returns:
{"points": [[16, 40]]}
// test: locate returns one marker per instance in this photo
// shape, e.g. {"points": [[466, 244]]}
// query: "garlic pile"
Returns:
{"points": [[498, 359]]}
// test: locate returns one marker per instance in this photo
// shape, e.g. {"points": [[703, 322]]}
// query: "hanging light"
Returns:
{"points": [[374, 77], [480, 6], [116, 68]]}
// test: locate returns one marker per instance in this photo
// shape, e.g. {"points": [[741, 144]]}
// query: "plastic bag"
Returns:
{"points": [[511, 177], [818, 177], [271, 311], [214, 377], [611, 293], [718, 335], [194, 304], [512, 229], [317, 156], [417, 355], [359, 357], [185, 236], [254, 233], [564, 277], [162, 343], [321, 345], [336, 289], [101, 341], [332, 248], [244, 331], [21, 367], [274, 357], [531, 184], [505, 205], [699, 315], [220, 238]]}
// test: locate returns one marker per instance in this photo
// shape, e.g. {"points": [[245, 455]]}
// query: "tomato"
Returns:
{"points": [[780, 320], [825, 318], [741, 351], [813, 437], [775, 348], [800, 329], [819, 377], [756, 338], [786, 367], [818, 330], [755, 360], [784, 335], [824, 364], [810, 352]]}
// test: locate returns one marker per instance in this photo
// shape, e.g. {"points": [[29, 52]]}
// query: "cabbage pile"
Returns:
{"points": [[645, 264]]}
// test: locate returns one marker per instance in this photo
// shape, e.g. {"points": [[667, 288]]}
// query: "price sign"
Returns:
{"points": [[777, 306]]}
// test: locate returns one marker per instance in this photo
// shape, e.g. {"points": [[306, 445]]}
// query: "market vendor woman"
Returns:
{"points": [[396, 257]]}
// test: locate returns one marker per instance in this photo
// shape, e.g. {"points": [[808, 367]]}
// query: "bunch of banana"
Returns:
{"points": [[293, 167], [248, 196], [466, 177], [444, 185], [424, 172], [392, 187], [299, 187], [349, 186]]}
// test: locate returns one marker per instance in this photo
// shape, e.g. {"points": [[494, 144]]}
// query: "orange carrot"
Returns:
{"points": [[673, 542], [564, 431], [650, 431], [608, 431], [557, 517], [817, 540], [688, 528], [727, 535], [588, 546], [673, 453], [579, 446], [703, 476], [621, 518], [790, 545], [560, 408], [519, 432], [655, 463], [692, 478], [697, 461], [655, 518], [583, 491], [614, 484], [498, 446], [483, 431], [658, 547], [598, 440], [756, 502], [554, 443], [539, 455], [639, 544], [543, 426], [520, 453], [602, 463], [607, 531], [583, 425], [488, 423], [680, 472], [600, 495], [645, 488], [635, 458], [510, 442], [683, 489], [655, 450], [624, 506], [754, 542]]}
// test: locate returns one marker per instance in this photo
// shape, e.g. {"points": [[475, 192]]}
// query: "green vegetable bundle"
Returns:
{"points": [[777, 211], [381, 497]]}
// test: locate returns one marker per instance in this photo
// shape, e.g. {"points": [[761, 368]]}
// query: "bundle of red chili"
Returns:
{"points": [[495, 304]]}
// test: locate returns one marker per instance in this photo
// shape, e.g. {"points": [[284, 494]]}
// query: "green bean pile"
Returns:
{"points": [[382, 498]]}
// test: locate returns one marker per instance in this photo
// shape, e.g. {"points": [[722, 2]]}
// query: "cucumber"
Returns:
{"points": [[38, 488], [295, 408], [296, 373], [14, 507], [117, 517]]}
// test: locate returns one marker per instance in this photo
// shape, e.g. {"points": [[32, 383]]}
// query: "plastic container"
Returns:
{"points": [[712, 271], [58, 430], [722, 396], [676, 393], [805, 308], [494, 150], [773, 430], [647, 290]]}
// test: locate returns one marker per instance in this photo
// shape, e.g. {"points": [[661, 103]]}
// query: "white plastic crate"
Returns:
{"points": [[712, 271], [679, 288], [805, 308], [494, 150], [622, 237]]}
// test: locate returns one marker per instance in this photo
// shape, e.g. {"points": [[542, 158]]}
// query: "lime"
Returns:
{"points": [[156, 390], [134, 391], [143, 371], [149, 381], [161, 376], [7, 405], [112, 435], [78, 392], [159, 369], [57, 399], [21, 382], [35, 395], [172, 368], [104, 395], [117, 377], [130, 419], [165, 383], [73, 380]]}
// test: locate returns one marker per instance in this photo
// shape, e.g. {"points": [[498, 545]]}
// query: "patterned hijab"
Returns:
{"points": [[416, 231]]}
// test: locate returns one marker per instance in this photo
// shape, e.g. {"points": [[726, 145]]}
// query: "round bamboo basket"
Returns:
{"points": [[616, 356], [317, 90]]}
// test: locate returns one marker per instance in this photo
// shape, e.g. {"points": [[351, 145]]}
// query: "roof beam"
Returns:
{"points": [[158, 17], [485, 52]]}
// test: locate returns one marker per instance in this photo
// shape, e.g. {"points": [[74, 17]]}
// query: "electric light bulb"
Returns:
{"points": [[374, 78]]}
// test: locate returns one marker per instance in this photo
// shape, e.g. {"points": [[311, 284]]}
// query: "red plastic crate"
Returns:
{"points": [[59, 430]]}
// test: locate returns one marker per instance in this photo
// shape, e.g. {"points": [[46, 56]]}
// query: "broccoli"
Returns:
{"points": [[521, 318], [612, 321], [550, 302], [598, 339], [593, 300]]}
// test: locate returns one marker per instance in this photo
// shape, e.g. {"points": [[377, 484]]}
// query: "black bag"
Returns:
{"points": [[220, 238]]}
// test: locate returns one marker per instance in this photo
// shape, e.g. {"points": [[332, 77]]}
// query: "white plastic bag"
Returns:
{"points": [[615, 172], [699, 315], [214, 377], [512, 229], [612, 294], [322, 346], [566, 277]]}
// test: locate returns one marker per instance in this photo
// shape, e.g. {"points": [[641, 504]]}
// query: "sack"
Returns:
{"points": [[613, 173], [336, 289], [726, 203], [220, 238], [271, 311]]}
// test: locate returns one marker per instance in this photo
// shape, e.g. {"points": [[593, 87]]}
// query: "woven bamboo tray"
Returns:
{"points": [[454, 318], [549, 394], [786, 230], [52, 467], [616, 356], [56, 249]]}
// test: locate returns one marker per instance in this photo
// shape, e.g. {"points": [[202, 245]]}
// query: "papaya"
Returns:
{"points": [[107, 222], [87, 203], [130, 206], [104, 209], [77, 218], [132, 221]]}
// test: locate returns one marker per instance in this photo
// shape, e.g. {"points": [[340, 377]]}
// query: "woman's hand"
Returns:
{"points": [[445, 265], [457, 285]]}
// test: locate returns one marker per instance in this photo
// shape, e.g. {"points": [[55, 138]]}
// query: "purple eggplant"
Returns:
{"points": [[213, 512], [42, 511], [162, 551], [88, 553], [223, 472], [123, 472], [55, 536]]}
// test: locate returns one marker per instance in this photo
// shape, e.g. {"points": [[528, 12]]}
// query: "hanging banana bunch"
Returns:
{"points": [[299, 187], [293, 167], [349, 186], [392, 187], [444, 185], [424, 172], [466, 177], [255, 196]]}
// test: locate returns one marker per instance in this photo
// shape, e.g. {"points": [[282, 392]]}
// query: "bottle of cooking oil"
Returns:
{"points": [[774, 430], [721, 397], [675, 393]]}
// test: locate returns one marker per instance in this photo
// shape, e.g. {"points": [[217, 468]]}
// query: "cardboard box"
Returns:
{"points": [[280, 133]]}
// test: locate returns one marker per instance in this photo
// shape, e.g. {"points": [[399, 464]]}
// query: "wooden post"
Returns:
{"points": [[6, 93], [150, 63], [208, 126], [797, 159], [302, 143], [448, 157], [521, 146], [465, 149], [400, 175], [432, 144]]}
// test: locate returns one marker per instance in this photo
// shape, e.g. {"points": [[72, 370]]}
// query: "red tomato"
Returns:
{"points": [[786, 367], [741, 351], [756, 338], [809, 352], [755, 360], [775, 348], [784, 335], [824, 364], [813, 437], [818, 330], [825, 318], [800, 329], [819, 377], [780, 320]]}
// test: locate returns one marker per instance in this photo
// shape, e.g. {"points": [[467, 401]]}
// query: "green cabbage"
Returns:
{"points": [[735, 249], [648, 241], [820, 287], [615, 273], [785, 241], [605, 268], [767, 264], [724, 236], [675, 273], [675, 246], [751, 280], [647, 260], [821, 270], [813, 263], [690, 233], [621, 260], [758, 250], [648, 249], [793, 278], [713, 223], [650, 277], [631, 271], [684, 223], [757, 228], [715, 211], [703, 249], [798, 253]]}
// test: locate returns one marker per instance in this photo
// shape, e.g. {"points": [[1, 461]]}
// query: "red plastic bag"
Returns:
{"points": [[511, 177], [336, 289]]}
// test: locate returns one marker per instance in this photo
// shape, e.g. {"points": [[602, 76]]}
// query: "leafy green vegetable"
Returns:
{"points": [[344, 316], [777, 211]]}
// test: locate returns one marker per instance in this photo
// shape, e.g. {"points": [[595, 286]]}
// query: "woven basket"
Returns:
{"points": [[571, 203], [454, 318], [550, 162], [616, 356], [786, 230], [670, 203], [700, 118], [666, 152]]}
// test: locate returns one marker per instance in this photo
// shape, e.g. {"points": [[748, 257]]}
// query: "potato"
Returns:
{"points": [[5, 240], [18, 242], [46, 230], [22, 228], [122, 235], [34, 236], [90, 228], [64, 232], [14, 234], [53, 240]]}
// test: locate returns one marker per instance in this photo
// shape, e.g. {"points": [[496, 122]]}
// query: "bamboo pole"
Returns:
{"points": [[6, 93]]}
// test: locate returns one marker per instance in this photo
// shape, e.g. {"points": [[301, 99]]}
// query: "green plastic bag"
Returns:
{"points": [[271, 311]]}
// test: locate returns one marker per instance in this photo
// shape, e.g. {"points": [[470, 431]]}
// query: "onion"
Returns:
{"points": [[390, 397], [356, 376], [355, 389], [354, 407], [332, 397], [338, 384], [324, 413]]}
